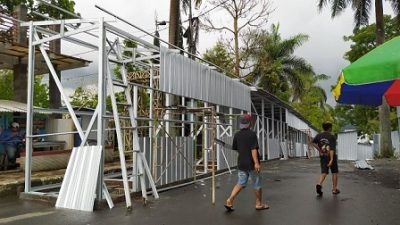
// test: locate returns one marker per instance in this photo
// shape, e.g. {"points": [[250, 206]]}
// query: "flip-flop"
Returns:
{"points": [[229, 208], [263, 207]]}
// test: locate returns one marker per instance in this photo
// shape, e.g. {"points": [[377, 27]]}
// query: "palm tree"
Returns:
{"points": [[362, 10], [312, 88], [276, 69]]}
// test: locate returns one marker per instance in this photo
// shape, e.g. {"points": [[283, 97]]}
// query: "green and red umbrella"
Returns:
{"points": [[372, 77]]}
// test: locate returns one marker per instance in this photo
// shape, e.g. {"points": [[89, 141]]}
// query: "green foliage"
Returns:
{"points": [[312, 103], [220, 56], [68, 5], [9, 5], [40, 93], [364, 118], [84, 98], [6, 85], [364, 38]]}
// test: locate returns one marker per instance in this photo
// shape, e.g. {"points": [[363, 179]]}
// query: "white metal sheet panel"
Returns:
{"points": [[395, 142], [299, 150], [80, 179], [297, 123], [274, 149], [305, 149], [347, 146], [185, 77], [365, 152], [231, 155]]}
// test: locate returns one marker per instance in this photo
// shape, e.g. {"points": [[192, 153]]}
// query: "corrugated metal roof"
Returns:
{"points": [[13, 106], [79, 185]]}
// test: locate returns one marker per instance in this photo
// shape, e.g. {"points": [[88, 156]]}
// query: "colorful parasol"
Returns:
{"points": [[371, 77]]}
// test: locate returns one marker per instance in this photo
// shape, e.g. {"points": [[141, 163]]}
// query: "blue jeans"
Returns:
{"points": [[11, 151], [243, 177]]}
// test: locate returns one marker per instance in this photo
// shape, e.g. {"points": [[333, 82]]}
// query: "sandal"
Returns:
{"points": [[262, 207], [229, 208], [336, 192]]}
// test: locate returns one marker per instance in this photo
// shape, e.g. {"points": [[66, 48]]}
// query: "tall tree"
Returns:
{"points": [[174, 22], [362, 10], [363, 38], [244, 14], [312, 102], [311, 87], [276, 69]]}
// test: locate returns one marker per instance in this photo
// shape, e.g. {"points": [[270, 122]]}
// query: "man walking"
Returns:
{"points": [[246, 143], [325, 143]]}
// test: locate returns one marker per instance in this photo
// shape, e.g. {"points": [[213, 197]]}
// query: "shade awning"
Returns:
{"points": [[13, 106], [378, 65]]}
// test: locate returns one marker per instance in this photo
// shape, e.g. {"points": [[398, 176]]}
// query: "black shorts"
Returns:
{"points": [[324, 159]]}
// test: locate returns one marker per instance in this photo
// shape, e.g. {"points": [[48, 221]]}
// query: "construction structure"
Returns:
{"points": [[167, 111]]}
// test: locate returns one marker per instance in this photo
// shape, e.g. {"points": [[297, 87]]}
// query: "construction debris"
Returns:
{"points": [[363, 165]]}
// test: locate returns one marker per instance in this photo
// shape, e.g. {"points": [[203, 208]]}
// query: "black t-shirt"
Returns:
{"points": [[244, 141], [325, 141]]}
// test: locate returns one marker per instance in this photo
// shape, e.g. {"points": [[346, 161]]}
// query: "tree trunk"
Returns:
{"points": [[19, 70], [237, 54], [174, 13], [54, 93], [191, 35], [386, 148], [380, 29]]}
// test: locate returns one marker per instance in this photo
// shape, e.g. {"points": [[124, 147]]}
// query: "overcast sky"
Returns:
{"points": [[324, 50]]}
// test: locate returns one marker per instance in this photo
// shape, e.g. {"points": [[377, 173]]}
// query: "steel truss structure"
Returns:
{"points": [[154, 112]]}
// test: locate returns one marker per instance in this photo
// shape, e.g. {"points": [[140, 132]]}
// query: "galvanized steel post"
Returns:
{"points": [[29, 119], [101, 85]]}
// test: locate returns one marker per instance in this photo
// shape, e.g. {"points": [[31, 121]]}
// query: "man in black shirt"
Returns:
{"points": [[246, 143], [325, 143]]}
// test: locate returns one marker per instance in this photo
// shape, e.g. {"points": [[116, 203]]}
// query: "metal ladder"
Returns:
{"points": [[140, 166]]}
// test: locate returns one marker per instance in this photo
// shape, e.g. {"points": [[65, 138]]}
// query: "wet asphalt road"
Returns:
{"points": [[289, 188]]}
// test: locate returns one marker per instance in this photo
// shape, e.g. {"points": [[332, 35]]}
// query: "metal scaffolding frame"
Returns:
{"points": [[106, 55], [270, 125]]}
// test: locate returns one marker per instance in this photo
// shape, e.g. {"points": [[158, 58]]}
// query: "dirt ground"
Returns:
{"points": [[386, 172]]}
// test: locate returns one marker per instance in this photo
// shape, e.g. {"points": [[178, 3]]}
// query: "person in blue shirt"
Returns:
{"points": [[11, 139]]}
